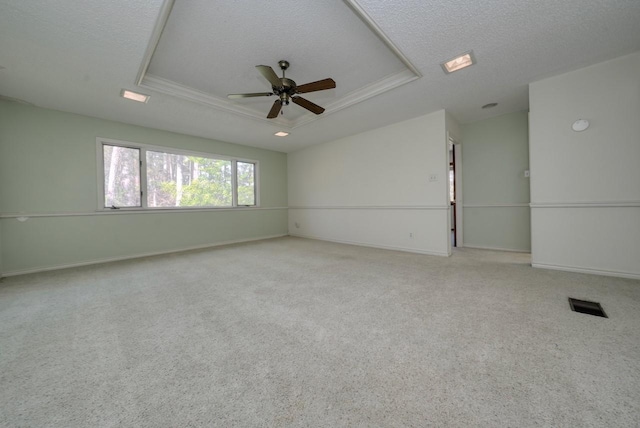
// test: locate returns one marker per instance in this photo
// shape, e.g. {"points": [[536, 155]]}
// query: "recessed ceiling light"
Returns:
{"points": [[281, 134], [459, 62], [490, 105], [142, 98]]}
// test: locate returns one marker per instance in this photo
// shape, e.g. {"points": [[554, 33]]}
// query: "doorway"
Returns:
{"points": [[455, 193], [452, 192]]}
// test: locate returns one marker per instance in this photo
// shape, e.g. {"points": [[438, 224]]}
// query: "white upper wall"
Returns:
{"points": [[453, 127], [389, 166], [382, 188], [600, 164]]}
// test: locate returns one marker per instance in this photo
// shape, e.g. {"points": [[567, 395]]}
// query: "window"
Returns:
{"points": [[121, 176], [188, 181], [141, 176], [246, 183]]}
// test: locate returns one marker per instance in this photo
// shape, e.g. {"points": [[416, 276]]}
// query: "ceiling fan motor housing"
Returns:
{"points": [[287, 90]]}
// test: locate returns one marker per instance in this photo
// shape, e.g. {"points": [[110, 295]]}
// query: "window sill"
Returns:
{"points": [[137, 211]]}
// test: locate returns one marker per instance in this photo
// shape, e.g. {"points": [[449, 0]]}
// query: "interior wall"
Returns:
{"points": [[496, 191], [384, 188], [48, 174], [585, 186]]}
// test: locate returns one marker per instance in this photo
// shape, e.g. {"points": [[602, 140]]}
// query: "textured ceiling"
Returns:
{"points": [[211, 76], [76, 56]]}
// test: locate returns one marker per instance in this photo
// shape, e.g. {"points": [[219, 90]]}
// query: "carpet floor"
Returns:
{"points": [[303, 333]]}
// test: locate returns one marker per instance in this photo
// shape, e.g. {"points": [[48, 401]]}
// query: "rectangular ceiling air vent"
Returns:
{"points": [[585, 307]]}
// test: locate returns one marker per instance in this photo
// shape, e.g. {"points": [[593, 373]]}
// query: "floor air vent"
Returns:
{"points": [[585, 307]]}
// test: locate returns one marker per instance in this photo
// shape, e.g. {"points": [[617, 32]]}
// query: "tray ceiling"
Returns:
{"points": [[188, 60], [385, 56]]}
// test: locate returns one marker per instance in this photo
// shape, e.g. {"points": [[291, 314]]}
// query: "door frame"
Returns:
{"points": [[457, 157]]}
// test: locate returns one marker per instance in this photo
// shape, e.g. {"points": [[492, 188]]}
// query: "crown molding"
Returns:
{"points": [[375, 28], [156, 33], [359, 95], [148, 81], [172, 88]]}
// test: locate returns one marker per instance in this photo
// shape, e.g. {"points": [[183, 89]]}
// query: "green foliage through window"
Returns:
{"points": [[175, 180], [188, 181]]}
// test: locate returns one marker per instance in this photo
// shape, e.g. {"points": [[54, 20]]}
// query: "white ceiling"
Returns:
{"points": [[76, 56], [370, 69]]}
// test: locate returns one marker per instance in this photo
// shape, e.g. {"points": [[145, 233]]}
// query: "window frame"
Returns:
{"points": [[143, 148]]}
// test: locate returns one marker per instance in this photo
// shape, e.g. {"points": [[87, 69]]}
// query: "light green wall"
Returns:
{"points": [[48, 165], [495, 156]]}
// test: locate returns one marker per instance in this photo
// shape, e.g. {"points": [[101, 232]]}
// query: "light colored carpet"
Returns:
{"points": [[296, 332]]}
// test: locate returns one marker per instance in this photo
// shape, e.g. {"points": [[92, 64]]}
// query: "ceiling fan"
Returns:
{"points": [[286, 89]]}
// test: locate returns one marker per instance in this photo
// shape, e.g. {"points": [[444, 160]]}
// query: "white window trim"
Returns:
{"points": [[171, 150]]}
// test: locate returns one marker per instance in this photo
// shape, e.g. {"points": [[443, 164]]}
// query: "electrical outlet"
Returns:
{"points": [[297, 225], [526, 173], [433, 177], [411, 235]]}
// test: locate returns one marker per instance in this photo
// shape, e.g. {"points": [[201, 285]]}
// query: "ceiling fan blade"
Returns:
{"points": [[270, 75], [302, 102], [255, 94], [275, 109], [320, 85]]}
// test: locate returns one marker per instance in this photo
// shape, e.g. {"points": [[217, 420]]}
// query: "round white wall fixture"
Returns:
{"points": [[580, 125]]}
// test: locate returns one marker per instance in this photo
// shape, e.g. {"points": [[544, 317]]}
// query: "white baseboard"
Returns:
{"points": [[368, 244], [134, 256], [602, 272], [478, 247]]}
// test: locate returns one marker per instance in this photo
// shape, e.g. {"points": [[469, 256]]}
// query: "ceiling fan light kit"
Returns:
{"points": [[286, 90]]}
